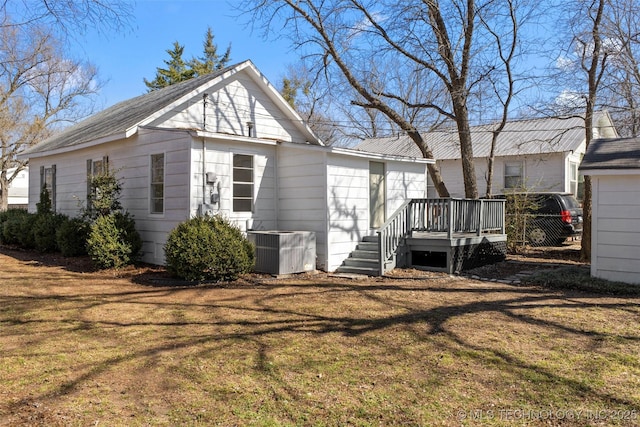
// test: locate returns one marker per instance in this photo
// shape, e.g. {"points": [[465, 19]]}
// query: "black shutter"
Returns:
{"points": [[53, 188], [89, 175]]}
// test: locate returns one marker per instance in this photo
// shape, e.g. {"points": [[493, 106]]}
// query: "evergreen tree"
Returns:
{"points": [[211, 61], [177, 70]]}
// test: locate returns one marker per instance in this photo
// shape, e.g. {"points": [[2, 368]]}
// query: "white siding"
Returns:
{"points": [[404, 181], [348, 204], [302, 203], [348, 199], [19, 188], [129, 159], [219, 160], [230, 105], [544, 172], [616, 228]]}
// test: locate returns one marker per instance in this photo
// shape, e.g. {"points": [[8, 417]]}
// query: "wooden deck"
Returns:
{"points": [[462, 251], [449, 235]]}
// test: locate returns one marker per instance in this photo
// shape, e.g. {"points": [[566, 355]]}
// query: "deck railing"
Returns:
{"points": [[438, 216]]}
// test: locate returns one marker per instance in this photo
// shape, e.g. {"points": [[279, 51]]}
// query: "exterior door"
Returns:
{"points": [[376, 194]]}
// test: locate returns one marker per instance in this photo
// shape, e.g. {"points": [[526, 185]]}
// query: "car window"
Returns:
{"points": [[571, 202], [549, 205]]}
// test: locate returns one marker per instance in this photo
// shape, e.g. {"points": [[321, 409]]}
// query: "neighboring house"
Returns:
{"points": [[614, 167], [19, 189], [225, 143], [537, 154]]}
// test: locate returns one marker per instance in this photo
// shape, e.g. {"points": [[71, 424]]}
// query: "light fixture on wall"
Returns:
{"points": [[250, 128]]}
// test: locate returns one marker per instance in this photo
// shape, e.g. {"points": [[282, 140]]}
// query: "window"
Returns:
{"points": [[48, 181], [157, 183], [94, 168], [97, 167], [513, 175], [576, 181], [242, 183], [573, 178]]}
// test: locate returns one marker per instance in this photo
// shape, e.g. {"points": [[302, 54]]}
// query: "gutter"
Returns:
{"points": [[114, 137]]}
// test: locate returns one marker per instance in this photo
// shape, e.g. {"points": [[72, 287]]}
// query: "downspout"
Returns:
{"points": [[204, 172], [277, 189], [204, 149]]}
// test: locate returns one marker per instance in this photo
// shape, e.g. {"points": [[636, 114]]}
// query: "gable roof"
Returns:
{"points": [[619, 153], [122, 119], [520, 137]]}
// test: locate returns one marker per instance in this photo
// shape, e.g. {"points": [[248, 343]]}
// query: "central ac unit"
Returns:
{"points": [[284, 252]]}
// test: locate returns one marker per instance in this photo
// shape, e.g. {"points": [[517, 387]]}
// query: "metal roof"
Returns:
{"points": [[520, 137], [619, 153]]}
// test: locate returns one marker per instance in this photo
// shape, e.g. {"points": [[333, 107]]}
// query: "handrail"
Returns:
{"points": [[438, 215], [391, 233]]}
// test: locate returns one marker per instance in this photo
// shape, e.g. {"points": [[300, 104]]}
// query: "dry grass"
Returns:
{"points": [[105, 348]]}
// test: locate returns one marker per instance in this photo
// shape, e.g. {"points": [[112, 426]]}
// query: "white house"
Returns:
{"points": [[225, 143], [18, 189], [538, 154], [614, 167]]}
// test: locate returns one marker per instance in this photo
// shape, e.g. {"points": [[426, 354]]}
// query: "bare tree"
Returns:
{"points": [[587, 56], [300, 88], [66, 16], [621, 84], [40, 90], [319, 101], [503, 87], [437, 45]]}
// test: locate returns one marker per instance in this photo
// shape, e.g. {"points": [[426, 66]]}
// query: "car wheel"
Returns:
{"points": [[537, 236], [559, 242]]}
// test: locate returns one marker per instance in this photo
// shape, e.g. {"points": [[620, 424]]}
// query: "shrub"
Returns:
{"points": [[44, 231], [104, 196], [208, 248], [71, 237], [518, 209], [25, 231], [44, 206], [10, 234], [113, 241]]}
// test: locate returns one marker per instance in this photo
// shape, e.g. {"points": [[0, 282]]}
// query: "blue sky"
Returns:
{"points": [[124, 59]]}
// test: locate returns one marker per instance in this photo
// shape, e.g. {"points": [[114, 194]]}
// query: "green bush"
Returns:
{"points": [[26, 238], [208, 248], [71, 237], [10, 234], [113, 241], [44, 231], [44, 206]]}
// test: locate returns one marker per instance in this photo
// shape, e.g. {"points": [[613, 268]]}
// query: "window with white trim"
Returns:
{"points": [[576, 181], [242, 183], [157, 184], [513, 174], [48, 181], [95, 168], [573, 178]]}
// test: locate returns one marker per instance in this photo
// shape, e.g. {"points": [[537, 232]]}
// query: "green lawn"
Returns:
{"points": [[104, 348]]}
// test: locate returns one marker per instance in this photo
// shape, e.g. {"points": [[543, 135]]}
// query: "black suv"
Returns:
{"points": [[551, 217]]}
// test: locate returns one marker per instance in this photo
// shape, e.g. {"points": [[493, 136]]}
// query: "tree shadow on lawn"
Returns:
{"points": [[257, 312]]}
